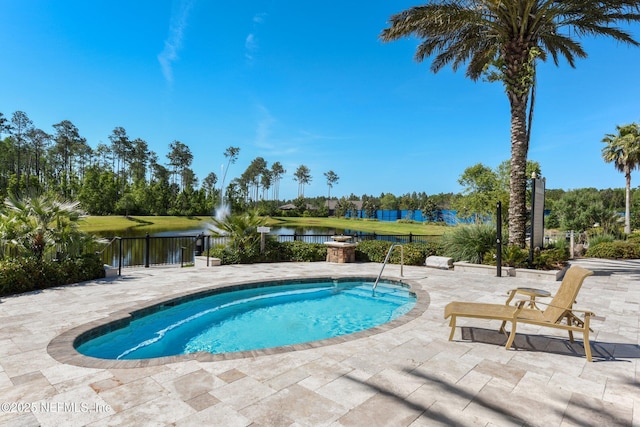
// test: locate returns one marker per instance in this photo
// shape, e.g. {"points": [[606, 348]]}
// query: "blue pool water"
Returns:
{"points": [[251, 319]]}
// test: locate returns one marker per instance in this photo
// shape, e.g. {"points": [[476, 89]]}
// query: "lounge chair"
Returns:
{"points": [[560, 308]]}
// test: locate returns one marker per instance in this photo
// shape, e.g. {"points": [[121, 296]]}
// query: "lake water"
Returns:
{"points": [[301, 231]]}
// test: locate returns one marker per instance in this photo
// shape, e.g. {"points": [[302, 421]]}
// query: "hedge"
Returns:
{"points": [[414, 253], [614, 250], [367, 251], [20, 275]]}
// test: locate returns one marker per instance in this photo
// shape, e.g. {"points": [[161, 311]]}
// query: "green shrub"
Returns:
{"points": [[414, 253], [20, 275], [469, 242], [634, 237], [551, 259], [274, 252], [512, 256], [601, 238], [372, 250], [614, 250], [305, 252]]}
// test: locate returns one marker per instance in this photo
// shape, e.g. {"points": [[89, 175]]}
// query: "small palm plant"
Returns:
{"points": [[37, 223], [469, 242], [241, 230]]}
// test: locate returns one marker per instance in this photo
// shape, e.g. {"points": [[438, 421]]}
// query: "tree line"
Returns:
{"points": [[126, 177]]}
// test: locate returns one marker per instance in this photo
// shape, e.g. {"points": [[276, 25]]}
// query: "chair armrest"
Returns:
{"points": [[573, 310]]}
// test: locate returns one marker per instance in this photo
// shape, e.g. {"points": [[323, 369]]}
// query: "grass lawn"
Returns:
{"points": [[380, 227], [115, 224], [95, 224]]}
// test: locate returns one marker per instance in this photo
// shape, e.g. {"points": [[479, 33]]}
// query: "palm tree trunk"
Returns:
{"points": [[518, 178], [627, 203], [519, 72]]}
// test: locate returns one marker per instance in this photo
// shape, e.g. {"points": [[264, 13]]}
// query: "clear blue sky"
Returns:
{"points": [[300, 83]]}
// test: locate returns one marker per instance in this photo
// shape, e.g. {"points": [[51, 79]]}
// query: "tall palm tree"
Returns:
{"points": [[503, 39], [623, 150], [332, 178], [303, 176]]}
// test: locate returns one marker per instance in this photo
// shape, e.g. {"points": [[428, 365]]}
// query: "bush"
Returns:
{"points": [[367, 251], [614, 250], [372, 250], [20, 275], [551, 259], [274, 252], [554, 258], [512, 256], [601, 238], [414, 253], [634, 237], [469, 242], [305, 252]]}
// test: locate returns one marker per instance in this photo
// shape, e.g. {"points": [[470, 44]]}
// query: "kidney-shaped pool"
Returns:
{"points": [[249, 317]]}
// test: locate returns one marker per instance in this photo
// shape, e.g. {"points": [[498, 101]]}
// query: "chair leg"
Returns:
{"points": [[452, 323], [587, 345], [501, 330], [512, 335], [585, 336], [569, 323]]}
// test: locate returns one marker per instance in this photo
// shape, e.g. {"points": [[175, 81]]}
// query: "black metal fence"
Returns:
{"points": [[146, 251]]}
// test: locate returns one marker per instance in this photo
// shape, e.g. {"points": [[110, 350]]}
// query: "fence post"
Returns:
{"points": [[146, 251], [410, 237], [120, 257], [207, 245], [499, 239]]}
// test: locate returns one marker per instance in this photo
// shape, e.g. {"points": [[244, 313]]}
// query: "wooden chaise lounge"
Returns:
{"points": [[559, 309]]}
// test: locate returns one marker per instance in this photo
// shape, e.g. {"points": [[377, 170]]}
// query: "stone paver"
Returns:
{"points": [[409, 375]]}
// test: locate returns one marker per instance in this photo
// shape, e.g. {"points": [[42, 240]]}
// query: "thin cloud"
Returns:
{"points": [[251, 41], [250, 46], [258, 18], [263, 130], [173, 42]]}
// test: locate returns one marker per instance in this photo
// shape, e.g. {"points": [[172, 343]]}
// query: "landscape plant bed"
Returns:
{"points": [[546, 275], [467, 267], [525, 273]]}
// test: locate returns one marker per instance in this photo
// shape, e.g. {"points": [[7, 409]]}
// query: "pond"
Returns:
{"points": [[300, 231]]}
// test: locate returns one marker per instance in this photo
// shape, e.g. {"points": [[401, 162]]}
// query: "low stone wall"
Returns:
{"points": [[545, 275], [110, 271], [468, 267], [526, 273], [441, 262], [201, 261]]}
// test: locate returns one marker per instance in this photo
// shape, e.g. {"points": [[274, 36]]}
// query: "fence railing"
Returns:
{"points": [[146, 251]]}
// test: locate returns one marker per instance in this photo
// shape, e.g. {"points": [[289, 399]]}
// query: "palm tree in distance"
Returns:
{"points": [[502, 40], [623, 150], [231, 154], [332, 178], [303, 176]]}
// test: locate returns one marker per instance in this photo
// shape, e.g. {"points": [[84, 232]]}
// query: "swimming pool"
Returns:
{"points": [[249, 317]]}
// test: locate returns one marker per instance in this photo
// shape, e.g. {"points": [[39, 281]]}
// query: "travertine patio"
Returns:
{"points": [[406, 376]]}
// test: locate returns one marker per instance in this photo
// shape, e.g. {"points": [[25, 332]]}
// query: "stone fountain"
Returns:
{"points": [[341, 249]]}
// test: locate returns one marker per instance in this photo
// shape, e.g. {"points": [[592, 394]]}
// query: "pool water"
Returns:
{"points": [[256, 318]]}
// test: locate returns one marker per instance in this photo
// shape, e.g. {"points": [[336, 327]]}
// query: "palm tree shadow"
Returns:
{"points": [[581, 410], [629, 268], [433, 415], [601, 351]]}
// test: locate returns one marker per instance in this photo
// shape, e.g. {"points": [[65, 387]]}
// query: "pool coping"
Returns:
{"points": [[62, 347]]}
